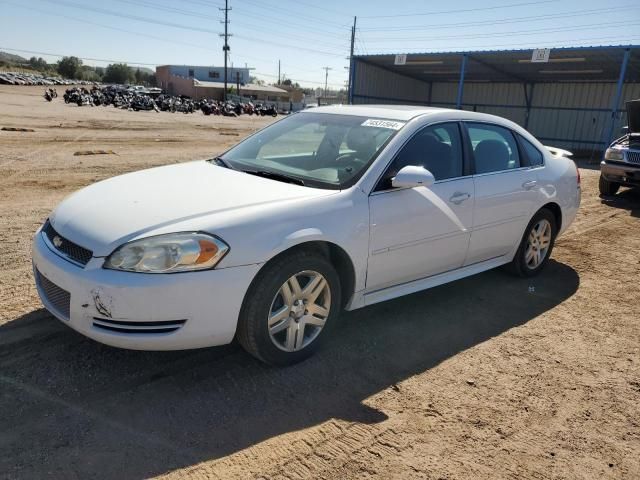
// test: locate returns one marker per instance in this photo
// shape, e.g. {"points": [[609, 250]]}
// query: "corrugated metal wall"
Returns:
{"points": [[575, 116], [377, 85]]}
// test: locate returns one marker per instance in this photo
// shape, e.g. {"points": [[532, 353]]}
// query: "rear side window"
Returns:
{"points": [[494, 148], [533, 154]]}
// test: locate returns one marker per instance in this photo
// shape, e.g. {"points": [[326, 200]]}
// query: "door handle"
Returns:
{"points": [[529, 185], [459, 197]]}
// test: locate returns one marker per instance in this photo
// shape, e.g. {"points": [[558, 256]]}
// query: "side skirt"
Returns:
{"points": [[362, 299]]}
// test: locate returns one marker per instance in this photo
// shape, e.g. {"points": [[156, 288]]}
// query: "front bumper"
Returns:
{"points": [[619, 172], [142, 311]]}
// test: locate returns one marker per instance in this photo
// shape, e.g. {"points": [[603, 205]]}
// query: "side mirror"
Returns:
{"points": [[413, 176]]}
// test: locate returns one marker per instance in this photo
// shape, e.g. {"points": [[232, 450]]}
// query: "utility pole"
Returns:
{"points": [[279, 73], [326, 77], [226, 47], [351, 66]]}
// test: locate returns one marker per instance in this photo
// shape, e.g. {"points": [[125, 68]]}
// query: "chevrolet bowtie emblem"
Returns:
{"points": [[57, 241]]}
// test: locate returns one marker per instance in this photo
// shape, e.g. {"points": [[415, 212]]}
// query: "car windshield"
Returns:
{"points": [[315, 149]]}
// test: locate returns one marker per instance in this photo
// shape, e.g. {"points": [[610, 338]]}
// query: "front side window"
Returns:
{"points": [[437, 148], [323, 150], [533, 154], [494, 148]]}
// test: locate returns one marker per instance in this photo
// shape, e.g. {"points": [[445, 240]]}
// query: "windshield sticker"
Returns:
{"points": [[383, 124]]}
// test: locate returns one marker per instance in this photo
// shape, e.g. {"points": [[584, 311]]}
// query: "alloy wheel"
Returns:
{"points": [[538, 244], [299, 311]]}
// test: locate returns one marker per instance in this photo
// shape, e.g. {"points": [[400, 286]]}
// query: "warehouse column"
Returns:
{"points": [[463, 67], [616, 99], [528, 97]]}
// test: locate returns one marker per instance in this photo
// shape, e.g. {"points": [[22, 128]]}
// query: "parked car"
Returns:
{"points": [[333, 208], [621, 164]]}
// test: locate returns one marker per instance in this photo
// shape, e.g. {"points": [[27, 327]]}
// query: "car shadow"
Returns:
{"points": [[627, 199], [75, 408]]}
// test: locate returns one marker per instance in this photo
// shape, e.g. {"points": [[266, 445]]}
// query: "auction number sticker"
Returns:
{"points": [[383, 124]]}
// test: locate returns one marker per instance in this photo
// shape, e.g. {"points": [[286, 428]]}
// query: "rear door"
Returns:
{"points": [[505, 189]]}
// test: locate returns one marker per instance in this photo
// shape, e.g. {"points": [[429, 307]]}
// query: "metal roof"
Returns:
{"points": [[248, 86], [566, 64]]}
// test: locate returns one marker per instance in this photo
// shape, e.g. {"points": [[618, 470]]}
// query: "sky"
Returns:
{"points": [[304, 35]]}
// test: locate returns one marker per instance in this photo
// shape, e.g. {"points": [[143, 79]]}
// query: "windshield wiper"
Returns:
{"points": [[281, 177], [220, 163]]}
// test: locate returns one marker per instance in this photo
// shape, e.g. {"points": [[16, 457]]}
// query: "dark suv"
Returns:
{"points": [[621, 164]]}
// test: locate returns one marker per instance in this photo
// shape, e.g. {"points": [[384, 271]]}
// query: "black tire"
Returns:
{"points": [[606, 187], [518, 265], [253, 332]]}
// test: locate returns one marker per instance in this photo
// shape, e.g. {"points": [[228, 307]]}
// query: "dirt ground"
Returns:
{"points": [[488, 377]]}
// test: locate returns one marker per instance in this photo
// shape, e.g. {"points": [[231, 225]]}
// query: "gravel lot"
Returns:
{"points": [[487, 377]]}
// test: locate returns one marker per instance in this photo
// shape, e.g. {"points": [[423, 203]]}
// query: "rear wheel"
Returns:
{"points": [[291, 307], [536, 245], [606, 187]]}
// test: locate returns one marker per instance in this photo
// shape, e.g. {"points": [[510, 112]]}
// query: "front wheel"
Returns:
{"points": [[536, 245], [607, 188], [291, 306]]}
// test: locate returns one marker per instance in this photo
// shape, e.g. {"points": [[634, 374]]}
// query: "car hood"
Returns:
{"points": [[106, 214]]}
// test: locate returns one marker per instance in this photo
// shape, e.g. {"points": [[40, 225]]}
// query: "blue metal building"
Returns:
{"points": [[574, 98], [203, 73]]}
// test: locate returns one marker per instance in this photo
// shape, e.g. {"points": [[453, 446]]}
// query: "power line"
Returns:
{"points": [[532, 44], [91, 22], [533, 18], [295, 14], [464, 10], [191, 13], [295, 47], [509, 34], [164, 8], [81, 58], [297, 79], [312, 5], [129, 17], [270, 19]]}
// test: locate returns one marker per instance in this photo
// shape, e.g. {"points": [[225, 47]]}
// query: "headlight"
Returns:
{"points": [[175, 252], [613, 154]]}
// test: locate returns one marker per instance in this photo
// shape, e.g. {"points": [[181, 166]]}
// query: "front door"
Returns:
{"points": [[421, 231]]}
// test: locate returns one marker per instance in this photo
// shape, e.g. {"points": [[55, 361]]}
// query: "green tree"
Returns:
{"points": [[118, 73], [38, 64], [69, 67]]}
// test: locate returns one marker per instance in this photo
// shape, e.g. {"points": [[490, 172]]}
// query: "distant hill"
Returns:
{"points": [[11, 58]]}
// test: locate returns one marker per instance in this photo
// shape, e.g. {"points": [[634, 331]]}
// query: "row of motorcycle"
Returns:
{"points": [[234, 109], [131, 100]]}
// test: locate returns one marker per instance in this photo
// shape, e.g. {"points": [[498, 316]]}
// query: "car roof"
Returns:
{"points": [[391, 112], [405, 113]]}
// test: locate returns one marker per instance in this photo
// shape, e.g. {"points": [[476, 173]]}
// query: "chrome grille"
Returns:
{"points": [[57, 297], [633, 157], [66, 247], [138, 328]]}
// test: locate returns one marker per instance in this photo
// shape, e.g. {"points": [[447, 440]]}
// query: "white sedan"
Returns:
{"points": [[328, 209]]}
